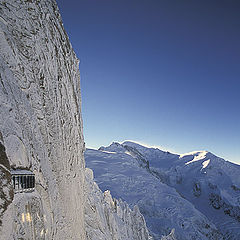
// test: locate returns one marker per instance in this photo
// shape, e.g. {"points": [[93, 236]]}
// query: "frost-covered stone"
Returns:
{"points": [[40, 118], [28, 218], [6, 190], [171, 236], [110, 219]]}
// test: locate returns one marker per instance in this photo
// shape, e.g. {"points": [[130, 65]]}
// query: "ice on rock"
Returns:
{"points": [[108, 218], [40, 118], [6, 189], [205, 163], [171, 236]]}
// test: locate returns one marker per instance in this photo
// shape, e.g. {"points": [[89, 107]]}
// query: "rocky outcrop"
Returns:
{"points": [[108, 218], [218, 203], [6, 190], [171, 236]]}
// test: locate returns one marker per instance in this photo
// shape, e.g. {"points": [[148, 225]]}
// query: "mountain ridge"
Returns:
{"points": [[208, 183]]}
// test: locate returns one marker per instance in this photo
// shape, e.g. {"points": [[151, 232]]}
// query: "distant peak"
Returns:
{"points": [[115, 143], [113, 147], [132, 143]]}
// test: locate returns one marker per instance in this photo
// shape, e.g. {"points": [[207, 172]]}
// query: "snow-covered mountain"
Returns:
{"points": [[197, 194]]}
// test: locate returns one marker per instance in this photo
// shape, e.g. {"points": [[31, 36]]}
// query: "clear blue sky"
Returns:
{"points": [[161, 72]]}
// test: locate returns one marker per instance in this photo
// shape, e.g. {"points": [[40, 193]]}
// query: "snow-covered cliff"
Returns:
{"points": [[41, 131], [108, 218], [40, 117]]}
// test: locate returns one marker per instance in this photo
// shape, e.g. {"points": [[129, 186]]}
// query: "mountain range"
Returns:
{"points": [[192, 196]]}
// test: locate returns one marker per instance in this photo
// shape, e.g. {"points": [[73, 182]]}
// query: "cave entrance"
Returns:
{"points": [[23, 180]]}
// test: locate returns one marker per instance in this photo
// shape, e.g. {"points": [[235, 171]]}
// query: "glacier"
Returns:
{"points": [[196, 194]]}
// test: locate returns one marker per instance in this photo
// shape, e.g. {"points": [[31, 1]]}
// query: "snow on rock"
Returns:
{"points": [[114, 147], [197, 194], [198, 155], [162, 206], [171, 236], [6, 190], [28, 218], [108, 218], [40, 118], [205, 163]]}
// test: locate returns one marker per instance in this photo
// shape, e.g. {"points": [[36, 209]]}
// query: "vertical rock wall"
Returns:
{"points": [[40, 119], [111, 219], [6, 190]]}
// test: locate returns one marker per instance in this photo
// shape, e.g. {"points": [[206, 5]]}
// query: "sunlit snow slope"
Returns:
{"points": [[197, 194]]}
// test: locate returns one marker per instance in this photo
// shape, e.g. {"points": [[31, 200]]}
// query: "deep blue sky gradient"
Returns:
{"points": [[161, 72]]}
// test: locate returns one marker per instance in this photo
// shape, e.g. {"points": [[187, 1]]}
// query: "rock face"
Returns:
{"points": [[41, 131], [171, 236], [108, 218], [40, 118], [6, 192]]}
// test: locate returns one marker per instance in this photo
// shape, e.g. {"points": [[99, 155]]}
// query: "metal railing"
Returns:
{"points": [[23, 182]]}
